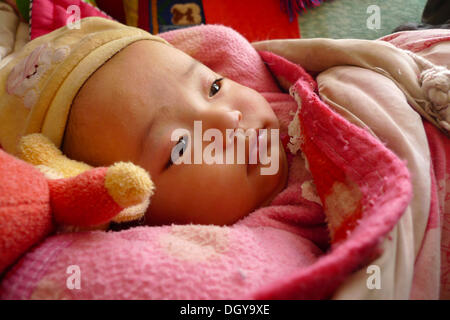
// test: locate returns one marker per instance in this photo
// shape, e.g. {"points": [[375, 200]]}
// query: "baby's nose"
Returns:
{"points": [[236, 117], [223, 119]]}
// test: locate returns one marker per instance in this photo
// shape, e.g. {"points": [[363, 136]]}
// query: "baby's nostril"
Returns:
{"points": [[239, 115]]}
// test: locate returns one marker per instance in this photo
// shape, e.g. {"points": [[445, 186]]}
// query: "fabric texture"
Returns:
{"points": [[25, 213], [33, 204], [38, 85]]}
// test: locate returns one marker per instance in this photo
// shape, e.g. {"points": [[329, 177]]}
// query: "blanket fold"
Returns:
{"points": [[402, 67], [374, 85]]}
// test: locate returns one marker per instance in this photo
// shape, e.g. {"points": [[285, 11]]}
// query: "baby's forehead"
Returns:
{"points": [[164, 61], [148, 50], [147, 75]]}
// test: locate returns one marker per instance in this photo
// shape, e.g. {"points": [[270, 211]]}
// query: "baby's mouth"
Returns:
{"points": [[256, 144], [259, 150]]}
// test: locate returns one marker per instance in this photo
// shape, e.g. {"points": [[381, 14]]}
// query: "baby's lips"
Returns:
{"points": [[253, 143], [230, 137], [252, 150], [264, 146]]}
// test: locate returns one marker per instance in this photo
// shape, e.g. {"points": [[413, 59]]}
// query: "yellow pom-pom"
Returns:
{"points": [[128, 184], [135, 212], [37, 149]]}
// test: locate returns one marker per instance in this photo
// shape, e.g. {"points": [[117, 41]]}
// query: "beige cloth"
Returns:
{"points": [[8, 27], [373, 84], [14, 34]]}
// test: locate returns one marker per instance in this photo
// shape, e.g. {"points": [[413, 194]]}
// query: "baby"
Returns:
{"points": [[131, 117], [128, 109]]}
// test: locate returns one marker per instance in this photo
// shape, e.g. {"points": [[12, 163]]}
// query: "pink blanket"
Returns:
{"points": [[384, 89], [280, 251]]}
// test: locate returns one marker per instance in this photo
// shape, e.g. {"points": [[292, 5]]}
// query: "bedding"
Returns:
{"points": [[380, 196], [416, 251]]}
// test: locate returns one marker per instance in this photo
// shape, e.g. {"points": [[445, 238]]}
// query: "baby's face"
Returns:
{"points": [[130, 108]]}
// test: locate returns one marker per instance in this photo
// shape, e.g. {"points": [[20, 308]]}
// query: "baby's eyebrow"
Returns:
{"points": [[190, 70]]}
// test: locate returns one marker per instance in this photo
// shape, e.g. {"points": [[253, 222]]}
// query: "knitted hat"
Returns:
{"points": [[38, 85]]}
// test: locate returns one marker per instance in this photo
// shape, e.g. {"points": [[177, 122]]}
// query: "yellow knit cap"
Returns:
{"points": [[38, 85]]}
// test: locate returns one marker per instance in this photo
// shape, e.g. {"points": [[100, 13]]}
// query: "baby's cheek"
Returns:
{"points": [[225, 192]]}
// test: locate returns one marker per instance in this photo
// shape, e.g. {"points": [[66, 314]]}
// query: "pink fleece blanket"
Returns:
{"points": [[280, 251]]}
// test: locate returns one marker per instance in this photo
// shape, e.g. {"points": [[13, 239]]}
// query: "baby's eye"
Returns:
{"points": [[215, 87], [178, 150]]}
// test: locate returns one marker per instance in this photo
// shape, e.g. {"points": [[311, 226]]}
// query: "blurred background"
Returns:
{"points": [[348, 18], [271, 19]]}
